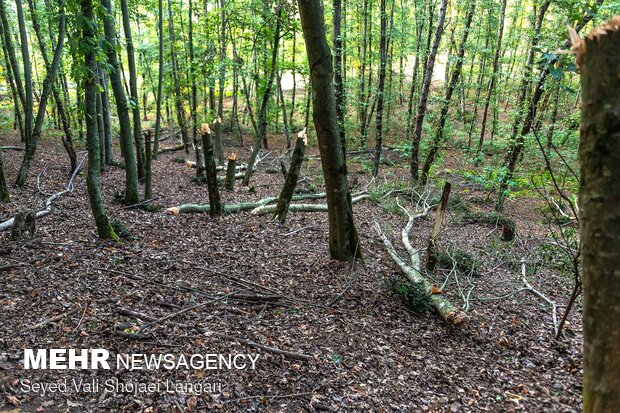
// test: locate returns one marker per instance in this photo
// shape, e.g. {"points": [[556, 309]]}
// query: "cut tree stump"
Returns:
{"points": [[231, 169], [211, 172], [292, 176], [431, 251]]}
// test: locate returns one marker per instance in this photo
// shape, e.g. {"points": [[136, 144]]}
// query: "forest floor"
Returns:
{"points": [[367, 351]]}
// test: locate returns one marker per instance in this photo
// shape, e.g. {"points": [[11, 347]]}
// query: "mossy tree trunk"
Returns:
{"points": [[599, 194], [343, 236], [93, 177], [122, 109]]}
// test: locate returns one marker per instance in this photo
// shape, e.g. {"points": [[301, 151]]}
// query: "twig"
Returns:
{"points": [[146, 201], [45, 322], [81, 318], [528, 287]]}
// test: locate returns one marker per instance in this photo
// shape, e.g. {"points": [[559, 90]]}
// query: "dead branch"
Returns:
{"points": [[288, 354], [45, 322], [268, 209], [48, 203], [443, 307], [528, 287]]}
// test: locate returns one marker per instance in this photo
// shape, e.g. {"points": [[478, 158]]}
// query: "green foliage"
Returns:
{"points": [[414, 295]]}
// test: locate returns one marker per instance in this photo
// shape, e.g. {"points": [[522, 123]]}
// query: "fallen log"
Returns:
{"points": [[232, 208], [444, 308], [48, 203], [174, 148], [269, 209]]}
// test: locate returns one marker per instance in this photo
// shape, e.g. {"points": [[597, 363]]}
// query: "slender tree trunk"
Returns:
{"points": [[5, 196], [107, 123], [67, 140], [99, 112], [35, 132], [287, 134], [9, 49], [122, 110], [343, 237], [454, 80], [381, 90], [28, 103], [494, 75], [133, 87], [177, 83], [218, 142], [518, 139], [261, 137], [290, 181], [426, 86], [160, 75], [194, 95], [93, 178], [338, 78], [599, 159], [414, 77]]}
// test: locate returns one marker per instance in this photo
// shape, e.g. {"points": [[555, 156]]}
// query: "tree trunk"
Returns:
{"points": [[93, 178], [343, 236], [32, 140], [599, 154], [290, 182], [107, 123], [454, 79], [494, 75], [261, 137], [148, 163], [426, 86], [67, 140], [381, 90], [5, 196], [231, 172], [211, 172], [194, 95], [177, 83], [219, 126], [160, 75], [28, 103], [133, 88], [338, 78], [122, 110]]}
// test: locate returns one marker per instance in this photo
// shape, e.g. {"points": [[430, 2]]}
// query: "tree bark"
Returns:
{"points": [[5, 196], [454, 79], [133, 88], [211, 172], [598, 57], [426, 86], [343, 236], [32, 140], [381, 90], [93, 177], [160, 75], [177, 83], [231, 172], [122, 110], [338, 78], [290, 182]]}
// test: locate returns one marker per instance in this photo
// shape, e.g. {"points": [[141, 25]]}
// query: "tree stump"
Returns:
{"points": [[211, 171], [24, 225], [231, 171], [292, 176]]}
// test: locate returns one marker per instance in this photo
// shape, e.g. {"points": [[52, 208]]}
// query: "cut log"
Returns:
{"points": [[214, 192], [174, 148], [292, 176], [230, 172], [233, 208], [268, 209]]}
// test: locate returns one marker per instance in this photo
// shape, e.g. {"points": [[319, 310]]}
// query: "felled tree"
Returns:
{"points": [[211, 171], [598, 57]]}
